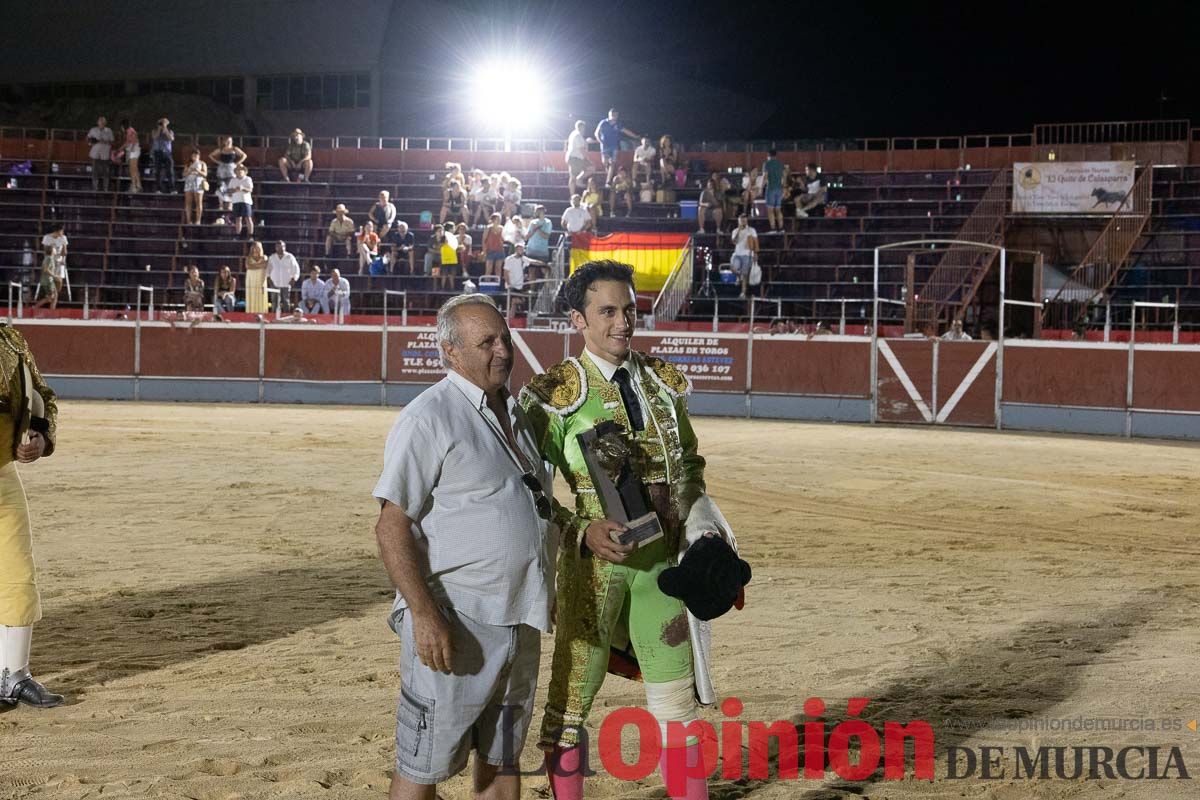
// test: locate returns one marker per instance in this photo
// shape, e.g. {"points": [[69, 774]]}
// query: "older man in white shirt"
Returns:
{"points": [[283, 270], [337, 291], [465, 535]]}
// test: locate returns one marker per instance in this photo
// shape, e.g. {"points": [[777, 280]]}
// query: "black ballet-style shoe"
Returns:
{"points": [[32, 693]]}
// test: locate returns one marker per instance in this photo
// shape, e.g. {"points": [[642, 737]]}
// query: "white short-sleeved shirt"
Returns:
{"points": [[240, 189], [644, 153], [575, 218], [741, 240], [486, 552], [576, 145], [514, 270], [57, 244]]}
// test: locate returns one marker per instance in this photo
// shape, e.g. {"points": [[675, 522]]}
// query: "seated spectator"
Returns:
{"points": [[314, 294], [101, 139], [956, 332], [193, 290], [454, 203], [450, 269], [576, 218], [622, 190], [401, 242], [466, 258], [475, 194], [512, 199], [644, 159], [341, 231], [712, 203], [815, 191], [537, 235], [54, 266], [240, 190], [224, 292], [338, 292], [514, 231], [383, 214], [593, 201], [668, 161], [493, 246], [513, 277], [433, 253], [368, 246], [297, 158], [752, 190]]}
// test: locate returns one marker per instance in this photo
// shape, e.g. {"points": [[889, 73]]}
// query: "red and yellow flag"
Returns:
{"points": [[652, 255]]}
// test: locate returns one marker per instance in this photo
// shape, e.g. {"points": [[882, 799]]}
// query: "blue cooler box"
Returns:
{"points": [[688, 209]]}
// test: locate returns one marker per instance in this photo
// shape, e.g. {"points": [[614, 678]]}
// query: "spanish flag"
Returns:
{"points": [[652, 255]]}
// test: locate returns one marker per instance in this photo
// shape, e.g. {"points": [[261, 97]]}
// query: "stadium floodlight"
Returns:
{"points": [[509, 98]]}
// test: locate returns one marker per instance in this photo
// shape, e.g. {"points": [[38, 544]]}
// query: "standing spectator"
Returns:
{"points": [[161, 142], [240, 189], [593, 201], [608, 133], [314, 293], [454, 203], [774, 171], [368, 246], [622, 189], [433, 253], [341, 231], [475, 196], [745, 250], [383, 214], [132, 150], [193, 291], [492, 197], [575, 153], [224, 292], [537, 235], [514, 269], [752, 190], [815, 191], [576, 218], [257, 265], [297, 158], [226, 157], [401, 241], [337, 289], [668, 161], [195, 184], [101, 140], [283, 270], [712, 202], [512, 199], [493, 246], [644, 159], [54, 266]]}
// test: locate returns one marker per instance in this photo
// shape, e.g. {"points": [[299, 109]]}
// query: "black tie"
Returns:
{"points": [[628, 396]]}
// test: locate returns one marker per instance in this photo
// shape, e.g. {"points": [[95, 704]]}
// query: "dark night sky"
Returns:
{"points": [[732, 69]]}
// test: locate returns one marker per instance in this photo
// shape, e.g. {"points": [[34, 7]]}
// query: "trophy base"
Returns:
{"points": [[643, 530]]}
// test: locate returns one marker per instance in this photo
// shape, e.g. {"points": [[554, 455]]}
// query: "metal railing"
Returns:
{"points": [[20, 300], [1108, 253], [677, 289], [1159, 130], [962, 268]]}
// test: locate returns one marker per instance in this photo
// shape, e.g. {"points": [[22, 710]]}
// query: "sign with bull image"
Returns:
{"points": [[1072, 187]]}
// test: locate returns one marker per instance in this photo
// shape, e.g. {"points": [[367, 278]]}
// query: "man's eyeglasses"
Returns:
{"points": [[539, 495]]}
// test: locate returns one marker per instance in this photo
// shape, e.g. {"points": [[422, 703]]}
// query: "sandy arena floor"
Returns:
{"points": [[215, 607]]}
